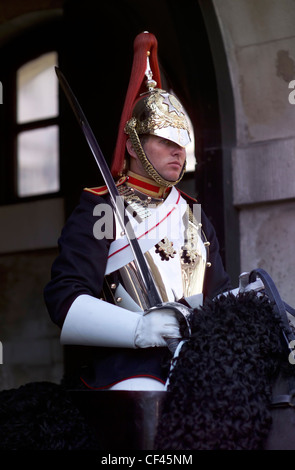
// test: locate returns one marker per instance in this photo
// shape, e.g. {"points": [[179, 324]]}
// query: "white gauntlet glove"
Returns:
{"points": [[94, 322], [153, 327]]}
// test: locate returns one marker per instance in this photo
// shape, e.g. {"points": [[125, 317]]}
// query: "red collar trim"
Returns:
{"points": [[145, 185]]}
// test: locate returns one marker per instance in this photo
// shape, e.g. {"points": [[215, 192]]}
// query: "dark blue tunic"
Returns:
{"points": [[79, 269]]}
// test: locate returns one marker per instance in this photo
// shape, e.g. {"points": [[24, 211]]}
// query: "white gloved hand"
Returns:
{"points": [[94, 322], [153, 327]]}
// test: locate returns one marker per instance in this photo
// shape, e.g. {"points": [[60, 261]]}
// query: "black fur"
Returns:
{"points": [[219, 394], [41, 416], [221, 384]]}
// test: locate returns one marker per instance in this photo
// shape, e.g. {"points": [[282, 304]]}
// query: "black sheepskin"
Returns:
{"points": [[221, 384], [218, 398], [41, 416]]}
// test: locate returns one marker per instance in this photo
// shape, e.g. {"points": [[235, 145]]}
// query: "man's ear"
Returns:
{"points": [[130, 149]]}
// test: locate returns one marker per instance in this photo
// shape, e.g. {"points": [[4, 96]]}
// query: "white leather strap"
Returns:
{"points": [[149, 232]]}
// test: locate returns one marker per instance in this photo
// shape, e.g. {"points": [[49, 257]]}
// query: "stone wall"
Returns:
{"points": [[31, 348], [30, 341], [259, 38]]}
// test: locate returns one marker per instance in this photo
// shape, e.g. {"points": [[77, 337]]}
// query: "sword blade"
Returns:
{"points": [[116, 199]]}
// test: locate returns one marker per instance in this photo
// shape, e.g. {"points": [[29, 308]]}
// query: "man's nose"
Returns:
{"points": [[178, 151]]}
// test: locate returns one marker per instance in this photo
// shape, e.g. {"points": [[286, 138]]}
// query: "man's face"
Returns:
{"points": [[166, 156]]}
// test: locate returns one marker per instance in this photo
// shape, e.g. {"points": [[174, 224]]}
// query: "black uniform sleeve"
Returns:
{"points": [[216, 279], [80, 265]]}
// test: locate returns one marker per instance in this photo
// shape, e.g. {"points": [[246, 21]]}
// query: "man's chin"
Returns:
{"points": [[172, 178]]}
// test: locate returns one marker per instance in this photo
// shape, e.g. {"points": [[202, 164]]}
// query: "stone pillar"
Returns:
{"points": [[260, 46]]}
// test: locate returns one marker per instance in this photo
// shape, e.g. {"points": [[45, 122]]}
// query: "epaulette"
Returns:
{"points": [[187, 197], [101, 190]]}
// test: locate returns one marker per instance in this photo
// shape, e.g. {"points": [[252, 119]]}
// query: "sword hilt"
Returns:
{"points": [[182, 314]]}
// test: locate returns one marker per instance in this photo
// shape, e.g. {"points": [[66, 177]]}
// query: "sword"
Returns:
{"points": [[119, 208], [116, 199]]}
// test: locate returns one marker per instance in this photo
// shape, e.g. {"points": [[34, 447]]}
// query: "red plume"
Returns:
{"points": [[143, 43]]}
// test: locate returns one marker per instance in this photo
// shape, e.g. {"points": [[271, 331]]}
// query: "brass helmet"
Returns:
{"points": [[152, 112], [160, 113]]}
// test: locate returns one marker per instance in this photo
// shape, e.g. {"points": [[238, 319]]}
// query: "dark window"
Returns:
{"points": [[37, 134], [29, 113]]}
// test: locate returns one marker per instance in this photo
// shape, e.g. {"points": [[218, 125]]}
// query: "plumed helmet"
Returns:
{"points": [[148, 109]]}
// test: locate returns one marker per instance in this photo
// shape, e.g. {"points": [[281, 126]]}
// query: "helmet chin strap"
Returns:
{"points": [[148, 167]]}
